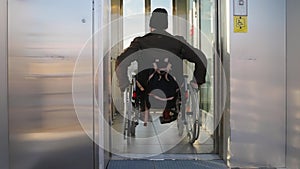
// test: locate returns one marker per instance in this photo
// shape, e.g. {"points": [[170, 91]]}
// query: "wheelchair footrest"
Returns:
{"points": [[189, 113], [163, 121]]}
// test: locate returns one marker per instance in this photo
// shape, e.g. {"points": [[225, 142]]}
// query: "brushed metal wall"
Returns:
{"points": [[258, 86], [293, 84], [4, 155], [44, 41]]}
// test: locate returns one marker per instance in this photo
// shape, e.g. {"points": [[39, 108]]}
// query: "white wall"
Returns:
{"points": [[258, 87], [293, 84]]}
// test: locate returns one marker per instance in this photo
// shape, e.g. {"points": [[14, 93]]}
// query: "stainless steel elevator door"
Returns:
{"points": [[44, 41]]}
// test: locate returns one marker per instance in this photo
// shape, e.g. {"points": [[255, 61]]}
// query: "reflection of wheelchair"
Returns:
{"points": [[185, 110]]}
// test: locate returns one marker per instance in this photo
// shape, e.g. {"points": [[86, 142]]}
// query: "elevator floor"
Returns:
{"points": [[156, 139], [158, 146]]}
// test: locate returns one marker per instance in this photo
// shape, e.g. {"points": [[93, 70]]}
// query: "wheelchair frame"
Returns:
{"points": [[189, 114]]}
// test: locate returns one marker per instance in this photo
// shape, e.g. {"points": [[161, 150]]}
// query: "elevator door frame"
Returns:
{"points": [[221, 132]]}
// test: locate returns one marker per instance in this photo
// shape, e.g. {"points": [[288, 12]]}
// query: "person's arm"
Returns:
{"points": [[195, 56], [123, 61]]}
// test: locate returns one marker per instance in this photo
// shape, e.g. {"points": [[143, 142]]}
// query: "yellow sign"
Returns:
{"points": [[240, 24]]}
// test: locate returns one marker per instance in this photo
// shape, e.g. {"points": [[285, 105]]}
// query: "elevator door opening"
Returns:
{"points": [[195, 20]]}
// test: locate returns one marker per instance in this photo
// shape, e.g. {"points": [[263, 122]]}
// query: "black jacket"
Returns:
{"points": [[158, 45]]}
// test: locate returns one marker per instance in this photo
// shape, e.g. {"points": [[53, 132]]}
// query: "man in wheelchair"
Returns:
{"points": [[160, 56]]}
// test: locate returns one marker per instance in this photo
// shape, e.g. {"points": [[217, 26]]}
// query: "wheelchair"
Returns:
{"points": [[186, 110]]}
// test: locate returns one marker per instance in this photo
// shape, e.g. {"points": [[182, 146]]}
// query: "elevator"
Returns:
{"points": [[198, 21], [59, 104]]}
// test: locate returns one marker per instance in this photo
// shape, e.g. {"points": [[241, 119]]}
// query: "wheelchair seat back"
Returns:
{"points": [[160, 74]]}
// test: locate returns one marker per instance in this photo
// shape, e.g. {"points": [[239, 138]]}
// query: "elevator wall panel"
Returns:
{"points": [[293, 84], [258, 86], [45, 39], [3, 87]]}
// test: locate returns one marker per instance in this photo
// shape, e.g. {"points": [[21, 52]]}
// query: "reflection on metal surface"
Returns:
{"points": [[4, 150], [293, 85], [258, 89], [45, 38]]}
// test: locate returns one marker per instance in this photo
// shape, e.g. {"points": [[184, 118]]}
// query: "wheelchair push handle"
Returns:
{"points": [[191, 83]]}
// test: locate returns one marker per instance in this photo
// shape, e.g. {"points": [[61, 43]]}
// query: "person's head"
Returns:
{"points": [[159, 19]]}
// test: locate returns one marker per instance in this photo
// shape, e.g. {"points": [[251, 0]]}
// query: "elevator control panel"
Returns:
{"points": [[240, 8], [240, 16]]}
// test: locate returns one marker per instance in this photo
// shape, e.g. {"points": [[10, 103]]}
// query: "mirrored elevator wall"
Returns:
{"points": [[258, 86], [293, 85], [4, 155], [45, 39]]}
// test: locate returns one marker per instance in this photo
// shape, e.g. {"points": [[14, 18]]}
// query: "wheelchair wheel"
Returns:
{"points": [[127, 127], [190, 127], [192, 114], [197, 116], [129, 116], [180, 124], [126, 123]]}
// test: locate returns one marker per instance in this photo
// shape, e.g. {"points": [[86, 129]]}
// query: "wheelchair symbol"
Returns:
{"points": [[240, 23]]}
